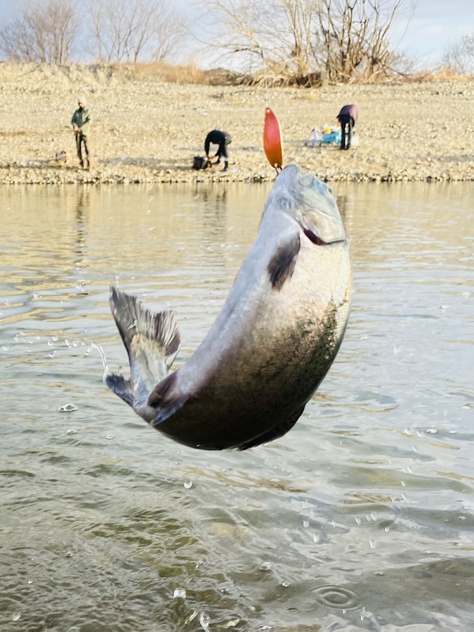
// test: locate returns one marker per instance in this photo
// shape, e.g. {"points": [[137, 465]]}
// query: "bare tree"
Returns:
{"points": [[129, 30], [275, 35], [354, 37], [44, 31], [459, 57], [341, 39]]}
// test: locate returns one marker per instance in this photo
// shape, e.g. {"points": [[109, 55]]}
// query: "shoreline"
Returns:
{"points": [[148, 131]]}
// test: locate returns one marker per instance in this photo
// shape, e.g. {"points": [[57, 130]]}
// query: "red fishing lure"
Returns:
{"points": [[272, 140]]}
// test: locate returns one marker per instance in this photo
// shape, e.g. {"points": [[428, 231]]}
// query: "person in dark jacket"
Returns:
{"points": [[81, 122], [347, 117], [222, 139]]}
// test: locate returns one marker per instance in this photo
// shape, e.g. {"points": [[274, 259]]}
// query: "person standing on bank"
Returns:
{"points": [[81, 122], [347, 117], [216, 137]]}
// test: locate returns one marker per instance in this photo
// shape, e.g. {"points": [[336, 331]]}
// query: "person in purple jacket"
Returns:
{"points": [[347, 117]]}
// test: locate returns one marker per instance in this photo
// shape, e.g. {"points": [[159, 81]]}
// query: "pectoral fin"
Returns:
{"points": [[166, 398]]}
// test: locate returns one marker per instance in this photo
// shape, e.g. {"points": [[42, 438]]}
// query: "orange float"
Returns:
{"points": [[272, 144]]}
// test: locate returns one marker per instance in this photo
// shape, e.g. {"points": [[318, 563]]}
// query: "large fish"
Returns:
{"points": [[271, 345]]}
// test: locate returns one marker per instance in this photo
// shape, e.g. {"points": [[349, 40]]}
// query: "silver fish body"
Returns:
{"points": [[272, 343]]}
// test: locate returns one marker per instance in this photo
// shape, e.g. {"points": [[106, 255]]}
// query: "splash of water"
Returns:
{"points": [[96, 346]]}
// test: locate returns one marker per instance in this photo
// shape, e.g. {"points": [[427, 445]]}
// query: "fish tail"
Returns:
{"points": [[120, 386], [152, 341]]}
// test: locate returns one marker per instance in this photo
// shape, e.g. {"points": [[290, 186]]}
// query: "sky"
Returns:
{"points": [[434, 26]]}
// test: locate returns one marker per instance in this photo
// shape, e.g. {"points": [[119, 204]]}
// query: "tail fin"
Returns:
{"points": [[152, 342]]}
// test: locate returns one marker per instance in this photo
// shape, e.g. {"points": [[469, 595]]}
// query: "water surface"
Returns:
{"points": [[361, 518]]}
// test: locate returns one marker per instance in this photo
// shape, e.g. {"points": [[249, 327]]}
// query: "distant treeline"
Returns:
{"points": [[289, 42]]}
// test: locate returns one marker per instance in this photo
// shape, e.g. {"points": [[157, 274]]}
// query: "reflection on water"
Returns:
{"points": [[360, 518]]}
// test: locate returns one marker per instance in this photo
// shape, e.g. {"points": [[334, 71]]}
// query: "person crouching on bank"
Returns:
{"points": [[222, 139], [347, 117]]}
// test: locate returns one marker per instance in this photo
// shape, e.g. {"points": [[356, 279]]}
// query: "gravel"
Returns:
{"points": [[145, 130]]}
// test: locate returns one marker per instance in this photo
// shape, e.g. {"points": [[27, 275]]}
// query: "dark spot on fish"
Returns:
{"points": [[282, 264]]}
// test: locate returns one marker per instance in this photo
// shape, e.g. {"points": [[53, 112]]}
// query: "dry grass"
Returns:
{"points": [[168, 73], [438, 74], [191, 74]]}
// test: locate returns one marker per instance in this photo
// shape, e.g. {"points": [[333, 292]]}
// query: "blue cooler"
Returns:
{"points": [[332, 137]]}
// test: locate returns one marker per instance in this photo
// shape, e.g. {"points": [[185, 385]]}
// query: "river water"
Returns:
{"points": [[361, 518]]}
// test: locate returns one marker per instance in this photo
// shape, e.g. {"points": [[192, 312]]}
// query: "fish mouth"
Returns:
{"points": [[311, 203], [318, 241]]}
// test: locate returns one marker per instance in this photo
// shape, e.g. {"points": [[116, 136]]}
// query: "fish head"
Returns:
{"points": [[310, 202]]}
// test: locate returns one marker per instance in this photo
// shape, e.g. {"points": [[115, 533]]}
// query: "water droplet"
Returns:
{"points": [[67, 408], [16, 616], [337, 597], [71, 431], [365, 614], [187, 484], [204, 620], [101, 353], [30, 581], [179, 593], [191, 617]]}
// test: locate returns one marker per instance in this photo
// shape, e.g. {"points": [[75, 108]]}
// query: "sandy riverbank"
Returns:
{"points": [[145, 130]]}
